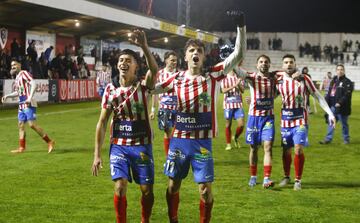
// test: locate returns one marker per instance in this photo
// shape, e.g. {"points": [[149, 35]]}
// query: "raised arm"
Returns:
{"points": [[240, 46], [138, 38]]}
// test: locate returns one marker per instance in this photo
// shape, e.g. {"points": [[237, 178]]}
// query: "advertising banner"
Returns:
{"points": [[41, 92], [76, 90]]}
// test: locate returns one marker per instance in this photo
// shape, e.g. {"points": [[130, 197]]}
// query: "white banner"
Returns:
{"points": [[42, 41], [41, 93]]}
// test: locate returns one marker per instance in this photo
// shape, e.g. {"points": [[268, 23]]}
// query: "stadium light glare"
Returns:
{"points": [[166, 40], [129, 34], [77, 24]]}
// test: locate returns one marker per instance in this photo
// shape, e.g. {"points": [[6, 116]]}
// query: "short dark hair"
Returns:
{"points": [[289, 56], [131, 53], [265, 56], [194, 42], [340, 65], [168, 54]]}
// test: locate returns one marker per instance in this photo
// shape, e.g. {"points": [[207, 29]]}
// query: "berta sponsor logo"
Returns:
{"points": [[262, 103], [186, 120], [288, 113], [127, 128]]}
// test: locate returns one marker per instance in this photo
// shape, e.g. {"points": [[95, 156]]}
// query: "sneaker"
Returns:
{"points": [[51, 146], [284, 181], [228, 147], [236, 142], [252, 181], [297, 185], [323, 142], [18, 150], [268, 183], [346, 142]]}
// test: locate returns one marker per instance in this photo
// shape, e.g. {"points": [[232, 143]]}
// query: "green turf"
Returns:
{"points": [[39, 187]]}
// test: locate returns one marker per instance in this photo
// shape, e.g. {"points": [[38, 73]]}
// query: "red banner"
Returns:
{"points": [[76, 90]]}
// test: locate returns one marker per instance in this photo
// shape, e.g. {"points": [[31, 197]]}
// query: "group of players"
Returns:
{"points": [[187, 115]]}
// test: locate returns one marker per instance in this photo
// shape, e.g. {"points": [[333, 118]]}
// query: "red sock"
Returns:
{"points": [[239, 130], [253, 170], [147, 203], [299, 161], [228, 135], [205, 211], [286, 163], [46, 138], [267, 171], [120, 205], [173, 201], [166, 145], [22, 143]]}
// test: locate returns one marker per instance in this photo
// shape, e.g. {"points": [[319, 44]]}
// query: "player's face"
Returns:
{"points": [[340, 71], [127, 66], [289, 65], [194, 56], [171, 62], [15, 68], [263, 65]]}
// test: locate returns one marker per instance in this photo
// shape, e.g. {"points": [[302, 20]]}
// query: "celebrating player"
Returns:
{"points": [[195, 125], [25, 89], [168, 100], [233, 87], [294, 115], [260, 124], [131, 147]]}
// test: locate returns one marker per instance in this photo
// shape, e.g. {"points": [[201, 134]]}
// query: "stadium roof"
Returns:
{"points": [[99, 21]]}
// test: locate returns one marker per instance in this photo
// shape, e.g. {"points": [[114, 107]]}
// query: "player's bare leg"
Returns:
{"points": [[147, 202], [43, 135], [267, 183], [167, 137], [173, 199], [22, 142], [239, 130], [206, 202], [120, 202], [228, 134], [253, 159]]}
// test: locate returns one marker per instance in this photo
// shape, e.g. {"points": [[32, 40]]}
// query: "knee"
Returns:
{"points": [[120, 187], [32, 125], [205, 192], [21, 126], [299, 149], [174, 186]]}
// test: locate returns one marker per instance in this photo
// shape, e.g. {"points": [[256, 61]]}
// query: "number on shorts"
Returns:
{"points": [[112, 170], [170, 166]]}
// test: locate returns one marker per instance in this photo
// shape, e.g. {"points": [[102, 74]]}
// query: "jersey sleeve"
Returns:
{"points": [[165, 86], [309, 84], [108, 96]]}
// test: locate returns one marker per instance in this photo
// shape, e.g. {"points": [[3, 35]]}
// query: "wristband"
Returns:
{"points": [[152, 109]]}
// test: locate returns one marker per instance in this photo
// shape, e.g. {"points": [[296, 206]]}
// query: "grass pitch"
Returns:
{"points": [[36, 187]]}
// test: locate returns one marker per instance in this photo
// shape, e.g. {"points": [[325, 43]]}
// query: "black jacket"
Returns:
{"points": [[344, 88]]}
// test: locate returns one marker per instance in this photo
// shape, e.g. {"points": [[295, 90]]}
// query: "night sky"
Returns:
{"points": [[265, 15]]}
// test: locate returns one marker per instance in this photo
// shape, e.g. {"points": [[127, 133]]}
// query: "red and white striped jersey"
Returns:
{"points": [[197, 97], [103, 78], [232, 98], [23, 87], [167, 100], [130, 124], [294, 94], [262, 93]]}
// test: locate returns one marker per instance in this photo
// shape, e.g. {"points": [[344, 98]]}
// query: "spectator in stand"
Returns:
{"points": [[269, 43], [355, 63], [43, 71], [15, 49], [31, 51], [48, 53]]}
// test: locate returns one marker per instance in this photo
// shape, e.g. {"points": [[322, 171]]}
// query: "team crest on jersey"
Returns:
{"points": [[299, 99], [268, 125], [137, 108], [204, 98]]}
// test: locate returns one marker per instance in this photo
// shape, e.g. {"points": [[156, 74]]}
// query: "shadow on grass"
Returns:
{"points": [[71, 150]]}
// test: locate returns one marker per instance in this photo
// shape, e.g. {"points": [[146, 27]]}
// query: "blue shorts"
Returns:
{"points": [[259, 129], [197, 152], [101, 91], [166, 118], [294, 135], [27, 114], [138, 159], [235, 113]]}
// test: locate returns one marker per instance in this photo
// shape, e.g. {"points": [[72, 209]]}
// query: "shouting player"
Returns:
{"points": [[131, 148], [25, 89], [191, 143]]}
